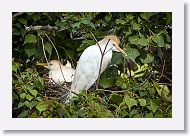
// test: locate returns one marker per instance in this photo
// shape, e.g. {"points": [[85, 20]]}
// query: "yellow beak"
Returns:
{"points": [[42, 64], [122, 51]]}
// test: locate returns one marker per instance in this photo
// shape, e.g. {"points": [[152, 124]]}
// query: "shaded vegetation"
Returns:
{"points": [[145, 88]]}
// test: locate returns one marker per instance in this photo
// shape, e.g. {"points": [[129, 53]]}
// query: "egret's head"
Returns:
{"points": [[53, 64], [115, 43]]}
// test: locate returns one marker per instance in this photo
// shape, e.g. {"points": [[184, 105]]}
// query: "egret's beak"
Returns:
{"points": [[43, 64], [122, 51]]}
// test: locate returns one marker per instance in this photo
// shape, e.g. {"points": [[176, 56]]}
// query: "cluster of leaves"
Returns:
{"points": [[146, 88]]}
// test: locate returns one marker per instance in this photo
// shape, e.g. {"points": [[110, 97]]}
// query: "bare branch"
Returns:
{"points": [[57, 55], [47, 28], [72, 63], [162, 71], [17, 14], [44, 49], [102, 56], [53, 46]]}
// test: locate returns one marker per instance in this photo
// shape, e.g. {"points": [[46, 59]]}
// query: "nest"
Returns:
{"points": [[58, 92]]}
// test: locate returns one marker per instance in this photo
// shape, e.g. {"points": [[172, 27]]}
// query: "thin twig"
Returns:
{"points": [[96, 41], [124, 70], [161, 72], [164, 84], [57, 55], [102, 57], [44, 49], [63, 87], [53, 46], [72, 63], [167, 78], [47, 28]]}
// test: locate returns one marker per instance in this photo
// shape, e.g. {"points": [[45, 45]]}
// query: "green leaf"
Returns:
{"points": [[31, 104], [40, 99], [86, 22], [21, 104], [159, 40], [134, 39], [33, 92], [143, 41], [30, 50], [15, 66], [42, 106], [149, 58], [163, 91], [168, 38], [36, 17], [23, 114], [77, 25], [48, 48], [22, 95], [142, 102], [149, 115], [153, 107], [82, 47], [30, 38], [89, 42], [146, 15], [121, 82], [116, 58], [23, 32], [39, 53], [106, 83], [23, 21], [62, 24], [29, 97], [116, 98], [132, 53], [119, 21], [108, 17], [135, 26], [130, 102]]}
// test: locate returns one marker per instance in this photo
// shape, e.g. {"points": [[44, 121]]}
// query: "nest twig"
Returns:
{"points": [[57, 92]]}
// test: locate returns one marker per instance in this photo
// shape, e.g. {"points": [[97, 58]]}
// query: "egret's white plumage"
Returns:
{"points": [[87, 69]]}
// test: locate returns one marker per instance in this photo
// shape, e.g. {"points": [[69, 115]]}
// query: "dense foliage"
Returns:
{"points": [[145, 88]]}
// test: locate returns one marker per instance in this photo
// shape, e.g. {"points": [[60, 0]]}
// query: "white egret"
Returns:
{"points": [[58, 72], [87, 70]]}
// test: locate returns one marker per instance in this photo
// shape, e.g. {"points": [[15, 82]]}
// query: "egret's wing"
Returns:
{"points": [[87, 69]]}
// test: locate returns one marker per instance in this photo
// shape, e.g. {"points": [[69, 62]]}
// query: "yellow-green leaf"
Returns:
{"points": [[130, 102]]}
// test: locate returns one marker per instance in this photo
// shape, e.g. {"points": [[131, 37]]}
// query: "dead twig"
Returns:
{"points": [[47, 28], [163, 67], [44, 49]]}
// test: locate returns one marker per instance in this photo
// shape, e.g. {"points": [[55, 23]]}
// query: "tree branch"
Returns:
{"points": [[17, 14], [102, 56], [47, 28]]}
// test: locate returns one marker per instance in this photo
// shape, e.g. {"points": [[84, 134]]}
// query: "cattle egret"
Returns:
{"points": [[58, 72], [87, 70]]}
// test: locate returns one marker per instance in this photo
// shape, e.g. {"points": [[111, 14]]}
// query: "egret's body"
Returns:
{"points": [[59, 73], [87, 70]]}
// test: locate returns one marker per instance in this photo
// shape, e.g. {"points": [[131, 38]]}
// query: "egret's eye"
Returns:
{"points": [[114, 45]]}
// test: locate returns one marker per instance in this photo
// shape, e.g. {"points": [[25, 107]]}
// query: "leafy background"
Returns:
{"points": [[146, 86]]}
